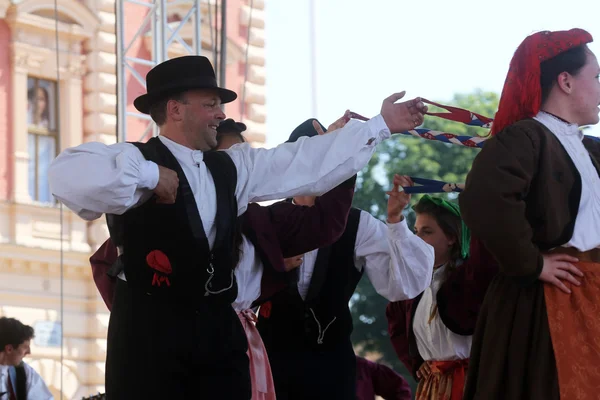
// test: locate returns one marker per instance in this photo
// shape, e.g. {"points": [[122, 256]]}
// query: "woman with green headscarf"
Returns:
{"points": [[432, 333]]}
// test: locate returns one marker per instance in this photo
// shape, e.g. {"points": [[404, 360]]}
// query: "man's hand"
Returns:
{"points": [[558, 268], [403, 116], [166, 189], [398, 200], [340, 123], [293, 262]]}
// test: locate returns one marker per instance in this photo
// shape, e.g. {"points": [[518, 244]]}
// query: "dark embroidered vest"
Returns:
{"points": [[323, 319], [165, 249]]}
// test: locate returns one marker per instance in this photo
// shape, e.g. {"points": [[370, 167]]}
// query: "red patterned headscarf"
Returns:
{"points": [[522, 93]]}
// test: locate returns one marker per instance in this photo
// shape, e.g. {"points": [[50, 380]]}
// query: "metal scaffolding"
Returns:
{"points": [[163, 33]]}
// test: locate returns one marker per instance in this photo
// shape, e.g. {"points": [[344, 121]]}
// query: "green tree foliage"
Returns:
{"points": [[415, 157]]}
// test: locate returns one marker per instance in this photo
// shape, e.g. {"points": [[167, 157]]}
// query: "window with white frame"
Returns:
{"points": [[43, 134]]}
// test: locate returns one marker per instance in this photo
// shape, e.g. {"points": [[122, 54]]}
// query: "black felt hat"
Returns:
{"points": [[305, 129], [179, 75], [230, 126]]}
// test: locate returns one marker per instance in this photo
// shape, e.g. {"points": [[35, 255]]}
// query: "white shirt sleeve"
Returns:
{"points": [[36, 387], [310, 166], [93, 178], [398, 263]]}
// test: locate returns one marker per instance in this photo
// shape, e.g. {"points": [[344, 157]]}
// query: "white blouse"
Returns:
{"points": [[586, 235], [434, 340]]}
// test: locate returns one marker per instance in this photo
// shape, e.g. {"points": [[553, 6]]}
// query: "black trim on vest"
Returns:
{"points": [[21, 389], [413, 349], [219, 163], [322, 262], [319, 274]]}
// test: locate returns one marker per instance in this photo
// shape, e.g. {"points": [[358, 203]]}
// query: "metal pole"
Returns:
{"points": [[160, 39], [164, 54], [197, 28], [313, 55], [223, 60], [216, 44], [121, 83]]}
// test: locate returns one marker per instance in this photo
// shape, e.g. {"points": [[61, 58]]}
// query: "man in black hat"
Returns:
{"points": [[171, 207]]}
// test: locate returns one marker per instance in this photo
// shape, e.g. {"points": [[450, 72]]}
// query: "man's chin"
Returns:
{"points": [[213, 145]]}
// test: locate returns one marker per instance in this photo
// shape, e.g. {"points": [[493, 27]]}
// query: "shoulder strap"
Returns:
{"points": [[224, 173], [149, 149], [352, 224], [322, 262], [223, 161], [413, 350], [21, 382]]}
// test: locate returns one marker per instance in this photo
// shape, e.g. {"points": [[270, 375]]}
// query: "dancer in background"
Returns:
{"points": [[307, 328], [432, 334]]}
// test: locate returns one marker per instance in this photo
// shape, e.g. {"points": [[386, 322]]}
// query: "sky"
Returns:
{"points": [[367, 50]]}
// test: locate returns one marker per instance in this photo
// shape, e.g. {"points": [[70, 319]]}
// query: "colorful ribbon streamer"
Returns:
{"points": [[455, 114], [458, 115], [432, 186], [461, 140]]}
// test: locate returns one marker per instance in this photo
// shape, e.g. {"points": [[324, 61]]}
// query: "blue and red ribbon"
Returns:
{"points": [[455, 114]]}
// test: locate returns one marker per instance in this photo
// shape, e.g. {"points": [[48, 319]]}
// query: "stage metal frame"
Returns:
{"points": [[163, 34]]}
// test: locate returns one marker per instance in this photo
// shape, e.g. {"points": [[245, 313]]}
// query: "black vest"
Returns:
{"points": [[21, 382], [323, 319], [165, 249]]}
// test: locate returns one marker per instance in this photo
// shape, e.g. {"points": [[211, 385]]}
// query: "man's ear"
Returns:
{"points": [[174, 110]]}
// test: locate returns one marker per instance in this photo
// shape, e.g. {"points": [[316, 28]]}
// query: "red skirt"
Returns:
{"points": [[446, 381], [574, 321]]}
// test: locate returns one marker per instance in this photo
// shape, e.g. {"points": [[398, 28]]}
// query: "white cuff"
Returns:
{"points": [[148, 175], [379, 129], [400, 229]]}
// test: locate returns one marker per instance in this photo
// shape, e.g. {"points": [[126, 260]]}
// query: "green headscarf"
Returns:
{"points": [[465, 240]]}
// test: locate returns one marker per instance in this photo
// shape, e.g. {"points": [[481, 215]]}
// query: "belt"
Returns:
{"points": [[592, 256]]}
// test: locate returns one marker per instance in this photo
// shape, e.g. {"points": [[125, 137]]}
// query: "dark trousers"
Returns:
{"points": [[303, 373], [157, 350]]}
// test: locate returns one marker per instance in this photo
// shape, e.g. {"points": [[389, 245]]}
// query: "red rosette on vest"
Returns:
{"points": [[159, 261], [265, 309]]}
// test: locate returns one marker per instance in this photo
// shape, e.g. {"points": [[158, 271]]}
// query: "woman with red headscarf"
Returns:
{"points": [[533, 198]]}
